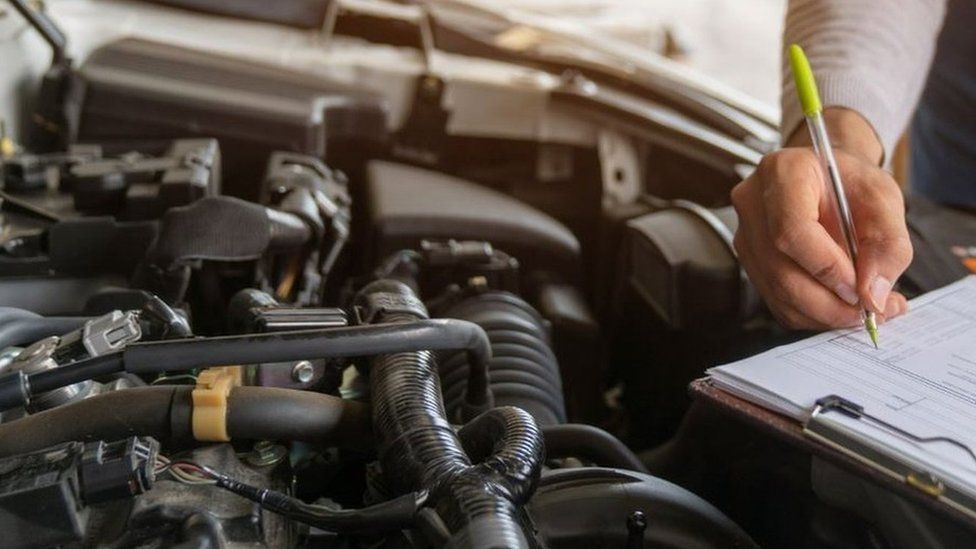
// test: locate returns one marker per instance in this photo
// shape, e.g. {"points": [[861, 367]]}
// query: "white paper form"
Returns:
{"points": [[922, 379]]}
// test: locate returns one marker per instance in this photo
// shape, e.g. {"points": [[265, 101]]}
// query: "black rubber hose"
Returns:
{"points": [[143, 411], [185, 354], [537, 402], [419, 450], [163, 412], [270, 413], [367, 340], [506, 444], [523, 371], [591, 444], [21, 327], [457, 366]]}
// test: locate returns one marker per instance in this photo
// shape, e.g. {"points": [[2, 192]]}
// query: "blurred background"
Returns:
{"points": [[735, 41]]}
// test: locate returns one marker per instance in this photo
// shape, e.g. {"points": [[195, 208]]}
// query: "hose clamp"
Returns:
{"points": [[379, 304], [209, 420]]}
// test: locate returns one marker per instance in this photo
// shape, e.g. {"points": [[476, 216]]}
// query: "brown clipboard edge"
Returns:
{"points": [[790, 431]]}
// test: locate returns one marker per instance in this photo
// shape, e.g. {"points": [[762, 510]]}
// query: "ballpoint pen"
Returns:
{"points": [[806, 88]]}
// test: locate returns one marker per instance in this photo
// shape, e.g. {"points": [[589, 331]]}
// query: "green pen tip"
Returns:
{"points": [[806, 85], [872, 328]]}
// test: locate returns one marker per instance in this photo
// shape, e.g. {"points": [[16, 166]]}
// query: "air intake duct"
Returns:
{"points": [[523, 371]]}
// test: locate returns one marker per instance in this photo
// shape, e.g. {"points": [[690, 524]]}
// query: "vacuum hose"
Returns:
{"points": [[481, 504]]}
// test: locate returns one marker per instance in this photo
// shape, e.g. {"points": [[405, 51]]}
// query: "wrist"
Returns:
{"points": [[849, 132]]}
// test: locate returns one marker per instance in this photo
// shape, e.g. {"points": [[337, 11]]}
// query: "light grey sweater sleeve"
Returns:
{"points": [[871, 56]]}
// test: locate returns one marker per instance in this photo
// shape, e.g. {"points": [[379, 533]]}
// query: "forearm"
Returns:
{"points": [[869, 57]]}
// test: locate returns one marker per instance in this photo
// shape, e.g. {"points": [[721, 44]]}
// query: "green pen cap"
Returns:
{"points": [[806, 86]]}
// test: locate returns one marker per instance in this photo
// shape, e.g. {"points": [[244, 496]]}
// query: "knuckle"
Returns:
{"points": [[903, 251], [784, 240], [768, 162], [796, 158], [828, 272], [897, 249], [737, 196]]}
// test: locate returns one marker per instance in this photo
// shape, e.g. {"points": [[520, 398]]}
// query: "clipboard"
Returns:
{"points": [[820, 439]]}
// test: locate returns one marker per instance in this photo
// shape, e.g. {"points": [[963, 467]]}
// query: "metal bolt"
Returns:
{"points": [[636, 525], [303, 371], [265, 453]]}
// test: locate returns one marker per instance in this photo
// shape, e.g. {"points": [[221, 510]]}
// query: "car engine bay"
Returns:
{"points": [[245, 305]]}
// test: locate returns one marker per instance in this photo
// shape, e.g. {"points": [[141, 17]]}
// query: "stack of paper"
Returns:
{"points": [[922, 380]]}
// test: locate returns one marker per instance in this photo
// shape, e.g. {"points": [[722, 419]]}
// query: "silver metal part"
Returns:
{"points": [[110, 332], [8, 355], [266, 453], [39, 358], [303, 371], [98, 336]]}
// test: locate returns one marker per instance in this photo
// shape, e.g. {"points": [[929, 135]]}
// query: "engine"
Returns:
{"points": [[239, 311], [184, 367]]}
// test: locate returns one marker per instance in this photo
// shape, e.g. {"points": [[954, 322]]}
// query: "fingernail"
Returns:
{"points": [[880, 288], [847, 293]]}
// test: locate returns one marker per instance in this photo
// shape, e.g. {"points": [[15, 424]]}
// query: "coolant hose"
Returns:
{"points": [[20, 327], [164, 412], [271, 413], [419, 450]]}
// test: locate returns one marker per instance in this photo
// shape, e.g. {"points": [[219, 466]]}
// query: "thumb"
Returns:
{"points": [[880, 262]]}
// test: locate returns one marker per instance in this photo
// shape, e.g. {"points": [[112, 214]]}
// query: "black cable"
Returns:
{"points": [[396, 514], [46, 27], [75, 372]]}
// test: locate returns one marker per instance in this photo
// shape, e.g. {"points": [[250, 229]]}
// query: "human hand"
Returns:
{"points": [[789, 239]]}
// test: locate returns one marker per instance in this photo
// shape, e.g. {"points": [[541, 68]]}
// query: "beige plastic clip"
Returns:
{"points": [[210, 402]]}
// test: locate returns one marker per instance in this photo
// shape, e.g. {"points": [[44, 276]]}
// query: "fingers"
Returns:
{"points": [[793, 214], [809, 245], [795, 298], [787, 241], [884, 247]]}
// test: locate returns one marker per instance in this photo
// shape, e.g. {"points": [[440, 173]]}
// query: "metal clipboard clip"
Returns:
{"points": [[819, 428]]}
